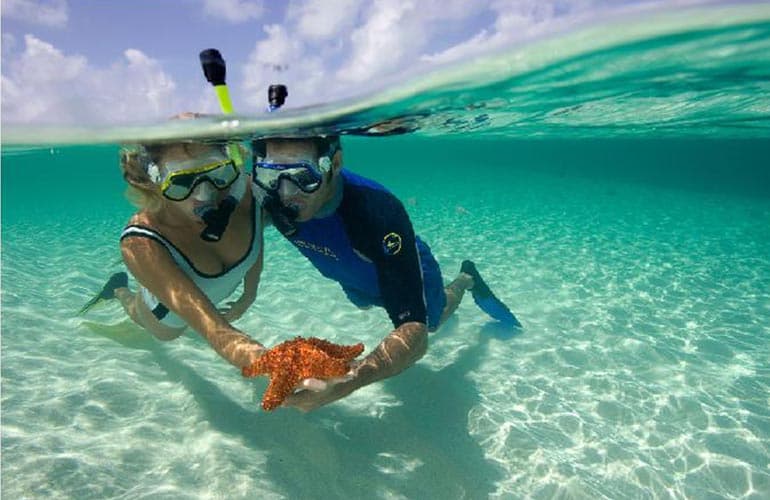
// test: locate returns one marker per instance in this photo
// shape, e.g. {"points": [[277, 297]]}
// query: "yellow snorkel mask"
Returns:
{"points": [[178, 182], [178, 179]]}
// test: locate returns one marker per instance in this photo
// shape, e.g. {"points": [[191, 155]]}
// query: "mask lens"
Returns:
{"points": [[179, 184], [176, 192], [269, 175]]}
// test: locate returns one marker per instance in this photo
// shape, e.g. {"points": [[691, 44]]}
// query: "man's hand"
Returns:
{"points": [[398, 351], [314, 393]]}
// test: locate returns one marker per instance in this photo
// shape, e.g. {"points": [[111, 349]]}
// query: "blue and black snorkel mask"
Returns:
{"points": [[305, 176]]}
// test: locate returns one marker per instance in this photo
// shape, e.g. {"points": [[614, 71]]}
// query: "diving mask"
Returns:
{"points": [[178, 179], [304, 175]]}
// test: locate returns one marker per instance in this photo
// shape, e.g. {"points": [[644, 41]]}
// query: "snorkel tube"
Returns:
{"points": [[216, 219], [283, 217]]}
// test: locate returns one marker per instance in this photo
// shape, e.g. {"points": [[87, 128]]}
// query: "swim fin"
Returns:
{"points": [[117, 280], [485, 299]]}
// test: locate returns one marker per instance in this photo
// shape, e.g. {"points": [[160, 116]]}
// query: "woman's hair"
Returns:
{"points": [[134, 161], [141, 191]]}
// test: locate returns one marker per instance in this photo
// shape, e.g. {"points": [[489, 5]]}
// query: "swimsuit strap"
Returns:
{"points": [[145, 232], [135, 229]]}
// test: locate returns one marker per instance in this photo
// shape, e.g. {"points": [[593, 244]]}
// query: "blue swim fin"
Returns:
{"points": [[485, 299], [117, 280]]}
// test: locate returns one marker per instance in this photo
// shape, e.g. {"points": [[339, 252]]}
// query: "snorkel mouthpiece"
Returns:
{"points": [[283, 217], [216, 219]]}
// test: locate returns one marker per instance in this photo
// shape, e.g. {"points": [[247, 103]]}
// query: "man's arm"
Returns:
{"points": [[389, 241], [392, 246], [398, 351]]}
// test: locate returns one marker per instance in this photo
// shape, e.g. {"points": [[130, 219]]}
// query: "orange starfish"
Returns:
{"points": [[290, 362]]}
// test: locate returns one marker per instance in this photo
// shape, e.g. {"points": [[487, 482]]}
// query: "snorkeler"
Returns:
{"points": [[357, 233], [196, 236]]}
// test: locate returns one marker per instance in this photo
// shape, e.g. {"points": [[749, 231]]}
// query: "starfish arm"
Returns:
{"points": [[292, 361], [280, 387], [315, 363], [328, 369], [337, 351]]}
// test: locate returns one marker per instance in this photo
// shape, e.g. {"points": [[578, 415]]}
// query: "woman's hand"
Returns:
{"points": [[238, 349], [248, 354]]}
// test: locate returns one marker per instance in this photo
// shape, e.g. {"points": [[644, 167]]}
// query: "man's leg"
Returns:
{"points": [[454, 295]]}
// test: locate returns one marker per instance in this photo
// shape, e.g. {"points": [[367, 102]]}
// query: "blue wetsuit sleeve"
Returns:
{"points": [[379, 227]]}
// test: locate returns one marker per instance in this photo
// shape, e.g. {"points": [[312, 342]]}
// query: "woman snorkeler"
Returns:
{"points": [[196, 236]]}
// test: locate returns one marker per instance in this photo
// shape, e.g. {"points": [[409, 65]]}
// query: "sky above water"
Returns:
{"points": [[75, 61]]}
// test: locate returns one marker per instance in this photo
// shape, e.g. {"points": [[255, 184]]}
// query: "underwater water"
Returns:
{"points": [[625, 220]]}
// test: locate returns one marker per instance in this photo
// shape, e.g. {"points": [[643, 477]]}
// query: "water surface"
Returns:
{"points": [[616, 195]]}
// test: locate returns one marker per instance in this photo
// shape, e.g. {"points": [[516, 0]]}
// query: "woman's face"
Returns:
{"points": [[204, 195]]}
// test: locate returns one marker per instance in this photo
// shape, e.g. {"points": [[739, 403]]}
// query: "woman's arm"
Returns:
{"points": [[153, 267], [235, 309]]}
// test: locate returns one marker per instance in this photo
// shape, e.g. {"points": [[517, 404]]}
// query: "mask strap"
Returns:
{"points": [[324, 164], [153, 171]]}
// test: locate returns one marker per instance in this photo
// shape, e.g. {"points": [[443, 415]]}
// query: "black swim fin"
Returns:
{"points": [[485, 299], [117, 280]]}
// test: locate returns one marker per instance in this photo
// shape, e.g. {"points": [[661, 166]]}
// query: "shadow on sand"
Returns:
{"points": [[420, 449]]}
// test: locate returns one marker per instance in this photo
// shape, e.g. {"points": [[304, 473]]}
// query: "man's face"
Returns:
{"points": [[298, 151]]}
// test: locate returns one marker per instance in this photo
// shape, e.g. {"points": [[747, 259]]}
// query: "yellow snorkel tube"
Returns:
{"points": [[216, 219], [215, 70]]}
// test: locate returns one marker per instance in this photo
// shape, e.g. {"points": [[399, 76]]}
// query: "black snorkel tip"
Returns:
{"points": [[213, 66], [276, 95]]}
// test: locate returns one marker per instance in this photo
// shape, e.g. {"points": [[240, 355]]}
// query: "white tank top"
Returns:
{"points": [[217, 287]]}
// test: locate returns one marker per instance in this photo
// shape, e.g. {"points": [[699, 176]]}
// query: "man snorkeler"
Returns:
{"points": [[354, 231]]}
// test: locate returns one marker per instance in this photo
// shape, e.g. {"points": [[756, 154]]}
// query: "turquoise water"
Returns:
{"points": [[630, 239]]}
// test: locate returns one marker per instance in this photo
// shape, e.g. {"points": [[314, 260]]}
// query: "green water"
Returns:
{"points": [[613, 188]]}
